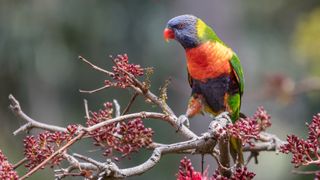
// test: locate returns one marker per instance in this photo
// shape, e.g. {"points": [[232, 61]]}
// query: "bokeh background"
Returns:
{"points": [[278, 42]]}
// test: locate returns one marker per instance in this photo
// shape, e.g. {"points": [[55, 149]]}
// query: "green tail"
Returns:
{"points": [[235, 144], [236, 150]]}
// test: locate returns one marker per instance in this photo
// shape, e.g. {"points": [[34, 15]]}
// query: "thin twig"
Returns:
{"points": [[90, 160], [86, 108], [94, 90], [31, 123], [253, 154], [117, 108], [76, 164], [64, 174], [22, 161], [95, 67], [142, 115], [133, 98], [159, 151], [304, 172], [59, 151], [202, 163]]}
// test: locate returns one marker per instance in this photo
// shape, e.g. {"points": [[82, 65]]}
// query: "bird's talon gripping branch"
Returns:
{"points": [[223, 117], [182, 120], [219, 122]]}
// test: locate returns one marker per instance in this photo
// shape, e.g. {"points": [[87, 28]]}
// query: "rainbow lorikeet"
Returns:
{"points": [[214, 72]]}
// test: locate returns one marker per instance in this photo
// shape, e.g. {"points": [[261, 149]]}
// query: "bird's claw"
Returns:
{"points": [[223, 117], [182, 120], [220, 121]]}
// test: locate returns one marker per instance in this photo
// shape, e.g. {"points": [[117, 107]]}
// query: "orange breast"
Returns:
{"points": [[209, 60]]}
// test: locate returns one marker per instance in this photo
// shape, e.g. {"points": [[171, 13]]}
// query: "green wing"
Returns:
{"points": [[236, 144], [237, 69]]}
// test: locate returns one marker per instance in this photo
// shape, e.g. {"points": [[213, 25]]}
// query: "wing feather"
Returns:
{"points": [[238, 72]]}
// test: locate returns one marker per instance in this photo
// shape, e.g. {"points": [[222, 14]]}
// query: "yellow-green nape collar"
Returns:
{"points": [[201, 28]]}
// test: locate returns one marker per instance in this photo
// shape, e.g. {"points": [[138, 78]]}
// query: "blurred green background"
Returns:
{"points": [[278, 42]]}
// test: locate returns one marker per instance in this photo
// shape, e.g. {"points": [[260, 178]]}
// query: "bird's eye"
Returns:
{"points": [[180, 26]]}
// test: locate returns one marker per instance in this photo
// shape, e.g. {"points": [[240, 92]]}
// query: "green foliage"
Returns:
{"points": [[306, 40]]}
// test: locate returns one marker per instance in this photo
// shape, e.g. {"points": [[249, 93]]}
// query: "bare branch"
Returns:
{"points": [[74, 164], [275, 142], [304, 172], [206, 140], [31, 123], [182, 129], [196, 145], [22, 161], [95, 67], [133, 98], [262, 146], [165, 149], [224, 156], [142, 115], [117, 107], [202, 145], [94, 90], [86, 108], [99, 165]]}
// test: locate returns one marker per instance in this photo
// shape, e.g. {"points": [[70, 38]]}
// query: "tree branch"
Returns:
{"points": [[203, 144], [95, 67], [94, 90], [139, 88], [22, 161], [133, 98], [31, 123], [142, 115], [200, 145]]}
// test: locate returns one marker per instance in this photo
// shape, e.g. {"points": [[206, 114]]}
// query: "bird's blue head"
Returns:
{"points": [[183, 29]]}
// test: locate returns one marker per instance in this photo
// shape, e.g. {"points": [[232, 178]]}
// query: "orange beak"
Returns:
{"points": [[168, 34]]}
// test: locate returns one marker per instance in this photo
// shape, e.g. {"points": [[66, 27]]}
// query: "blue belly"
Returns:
{"points": [[215, 89]]}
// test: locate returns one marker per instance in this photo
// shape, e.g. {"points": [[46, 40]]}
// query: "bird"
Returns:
{"points": [[215, 73]]}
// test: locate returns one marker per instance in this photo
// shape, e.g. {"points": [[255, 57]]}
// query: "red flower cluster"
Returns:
{"points": [[187, 172], [249, 128], [121, 78], [6, 169], [39, 148], [244, 129], [238, 174], [122, 137], [263, 118], [305, 152]]}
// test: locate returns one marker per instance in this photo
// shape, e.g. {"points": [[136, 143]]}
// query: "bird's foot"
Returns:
{"points": [[220, 121], [223, 117], [182, 120]]}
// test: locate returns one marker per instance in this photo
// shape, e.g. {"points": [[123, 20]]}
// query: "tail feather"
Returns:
{"points": [[236, 150]]}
